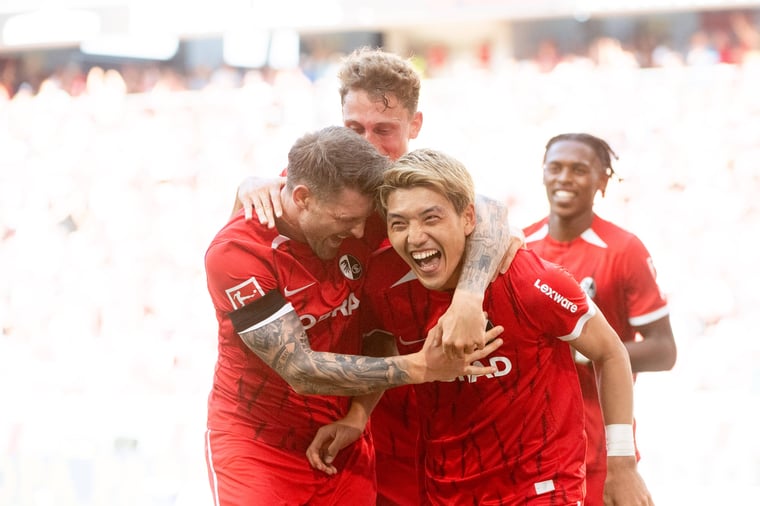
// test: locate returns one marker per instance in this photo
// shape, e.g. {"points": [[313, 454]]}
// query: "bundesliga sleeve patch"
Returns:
{"points": [[249, 316], [244, 293]]}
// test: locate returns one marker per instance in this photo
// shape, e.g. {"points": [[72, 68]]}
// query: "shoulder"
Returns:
{"points": [[544, 290], [528, 269], [612, 234], [623, 245], [240, 241], [537, 229]]}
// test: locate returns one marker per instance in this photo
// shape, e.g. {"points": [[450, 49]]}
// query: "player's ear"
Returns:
{"points": [[604, 178], [302, 196], [416, 125], [469, 219], [603, 185]]}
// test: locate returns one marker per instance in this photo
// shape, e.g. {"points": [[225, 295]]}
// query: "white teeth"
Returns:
{"points": [[563, 193], [422, 255]]}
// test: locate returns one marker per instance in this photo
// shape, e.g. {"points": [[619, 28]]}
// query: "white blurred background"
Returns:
{"points": [[125, 128]]}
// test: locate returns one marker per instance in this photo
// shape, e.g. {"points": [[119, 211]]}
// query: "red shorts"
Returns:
{"points": [[395, 430], [243, 472], [397, 481], [595, 488]]}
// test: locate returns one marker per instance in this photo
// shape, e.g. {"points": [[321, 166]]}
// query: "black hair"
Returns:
{"points": [[602, 150]]}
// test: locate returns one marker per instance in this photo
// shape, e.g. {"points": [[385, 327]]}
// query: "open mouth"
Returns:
{"points": [[427, 260], [563, 195]]}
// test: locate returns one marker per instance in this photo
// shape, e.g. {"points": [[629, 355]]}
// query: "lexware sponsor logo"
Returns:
{"points": [[555, 296]]}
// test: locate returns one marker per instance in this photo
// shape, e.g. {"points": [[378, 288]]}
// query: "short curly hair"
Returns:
{"points": [[380, 73], [334, 158]]}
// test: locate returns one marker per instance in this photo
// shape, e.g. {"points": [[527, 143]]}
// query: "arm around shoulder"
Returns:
{"points": [[462, 327]]}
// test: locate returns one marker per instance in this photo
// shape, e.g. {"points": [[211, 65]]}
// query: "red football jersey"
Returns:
{"points": [[244, 262], [513, 435], [615, 269], [394, 426]]}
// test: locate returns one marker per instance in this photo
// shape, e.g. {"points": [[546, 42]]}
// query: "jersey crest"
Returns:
{"points": [[589, 286], [350, 267]]}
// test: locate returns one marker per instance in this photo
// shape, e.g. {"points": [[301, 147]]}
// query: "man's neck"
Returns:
{"points": [[287, 224], [566, 229]]}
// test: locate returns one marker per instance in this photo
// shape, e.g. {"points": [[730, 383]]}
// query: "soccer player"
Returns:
{"points": [[613, 267], [515, 436], [286, 300], [379, 94]]}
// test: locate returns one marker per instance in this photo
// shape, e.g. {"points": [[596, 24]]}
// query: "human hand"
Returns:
{"points": [[623, 485], [329, 440], [441, 367], [263, 195], [462, 328]]}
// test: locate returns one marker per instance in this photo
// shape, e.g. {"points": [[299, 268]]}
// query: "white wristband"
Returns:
{"points": [[620, 440]]}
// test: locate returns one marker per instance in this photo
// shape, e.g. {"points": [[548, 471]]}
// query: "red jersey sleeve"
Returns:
{"points": [[238, 273], [645, 301], [554, 302]]}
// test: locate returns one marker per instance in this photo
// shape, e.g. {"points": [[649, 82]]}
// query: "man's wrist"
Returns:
{"points": [[620, 442], [622, 464], [414, 366], [357, 415], [468, 296]]}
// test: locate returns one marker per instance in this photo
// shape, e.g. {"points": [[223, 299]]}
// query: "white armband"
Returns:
{"points": [[620, 440]]}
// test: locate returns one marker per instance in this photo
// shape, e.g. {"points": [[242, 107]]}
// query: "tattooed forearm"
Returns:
{"points": [[485, 246], [284, 346]]}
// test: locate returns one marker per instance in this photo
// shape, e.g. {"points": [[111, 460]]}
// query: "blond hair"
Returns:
{"points": [[431, 169]]}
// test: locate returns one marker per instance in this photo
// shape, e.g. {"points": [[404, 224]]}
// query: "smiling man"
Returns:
{"points": [[286, 301], [379, 95], [612, 265], [515, 436]]}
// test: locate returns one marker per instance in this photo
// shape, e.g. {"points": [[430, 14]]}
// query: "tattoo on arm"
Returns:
{"points": [[486, 245], [284, 346]]}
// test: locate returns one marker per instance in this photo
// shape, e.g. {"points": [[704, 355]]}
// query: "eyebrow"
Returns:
{"points": [[374, 125], [566, 163], [428, 210]]}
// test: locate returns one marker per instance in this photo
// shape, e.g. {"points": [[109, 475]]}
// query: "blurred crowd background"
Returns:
{"points": [[115, 175]]}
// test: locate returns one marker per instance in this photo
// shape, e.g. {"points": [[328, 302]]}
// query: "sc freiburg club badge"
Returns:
{"points": [[350, 267]]}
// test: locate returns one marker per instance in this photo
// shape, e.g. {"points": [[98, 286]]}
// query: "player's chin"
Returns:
{"points": [[327, 253], [430, 282], [332, 245]]}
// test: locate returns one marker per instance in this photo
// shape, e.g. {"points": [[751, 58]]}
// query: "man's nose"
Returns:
{"points": [[416, 234], [358, 230]]}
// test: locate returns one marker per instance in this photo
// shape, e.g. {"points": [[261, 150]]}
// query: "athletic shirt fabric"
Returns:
{"points": [[510, 436], [394, 422], [615, 269], [245, 261]]}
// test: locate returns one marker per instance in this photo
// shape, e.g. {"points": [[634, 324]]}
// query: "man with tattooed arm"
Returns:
{"points": [[286, 299]]}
